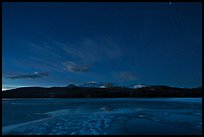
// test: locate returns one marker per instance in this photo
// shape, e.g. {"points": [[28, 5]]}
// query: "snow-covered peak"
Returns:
{"points": [[102, 86], [137, 86], [94, 84], [91, 84]]}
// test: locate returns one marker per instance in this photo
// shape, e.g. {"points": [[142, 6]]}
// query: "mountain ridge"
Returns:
{"points": [[73, 91]]}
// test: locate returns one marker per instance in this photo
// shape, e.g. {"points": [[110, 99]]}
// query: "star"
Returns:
{"points": [[169, 3]]}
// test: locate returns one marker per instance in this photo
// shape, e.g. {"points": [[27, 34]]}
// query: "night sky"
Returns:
{"points": [[55, 44]]}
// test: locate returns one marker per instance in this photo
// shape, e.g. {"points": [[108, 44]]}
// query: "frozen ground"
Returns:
{"points": [[102, 116]]}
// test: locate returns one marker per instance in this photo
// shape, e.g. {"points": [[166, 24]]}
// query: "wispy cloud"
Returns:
{"points": [[91, 50], [39, 56], [43, 48], [125, 75], [53, 55], [28, 76], [73, 67]]}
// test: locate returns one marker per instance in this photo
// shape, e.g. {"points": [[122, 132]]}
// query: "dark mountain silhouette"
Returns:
{"points": [[73, 91], [71, 86]]}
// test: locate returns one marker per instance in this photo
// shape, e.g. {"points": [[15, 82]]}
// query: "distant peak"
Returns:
{"points": [[137, 86], [71, 85], [92, 82]]}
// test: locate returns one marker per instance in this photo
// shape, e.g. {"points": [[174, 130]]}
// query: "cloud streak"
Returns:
{"points": [[90, 50], [73, 67], [28, 76], [52, 55]]}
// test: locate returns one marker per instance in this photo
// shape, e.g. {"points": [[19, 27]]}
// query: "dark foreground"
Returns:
{"points": [[113, 92], [161, 116]]}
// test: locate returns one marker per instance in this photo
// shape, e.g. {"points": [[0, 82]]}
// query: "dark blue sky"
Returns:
{"points": [[54, 44]]}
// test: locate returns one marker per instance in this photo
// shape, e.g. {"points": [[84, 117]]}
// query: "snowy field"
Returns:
{"points": [[126, 116]]}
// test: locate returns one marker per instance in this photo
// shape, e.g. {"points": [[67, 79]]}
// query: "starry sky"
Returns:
{"points": [[55, 44]]}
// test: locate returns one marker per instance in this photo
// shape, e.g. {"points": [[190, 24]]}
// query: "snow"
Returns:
{"points": [[137, 86], [102, 116], [102, 87]]}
